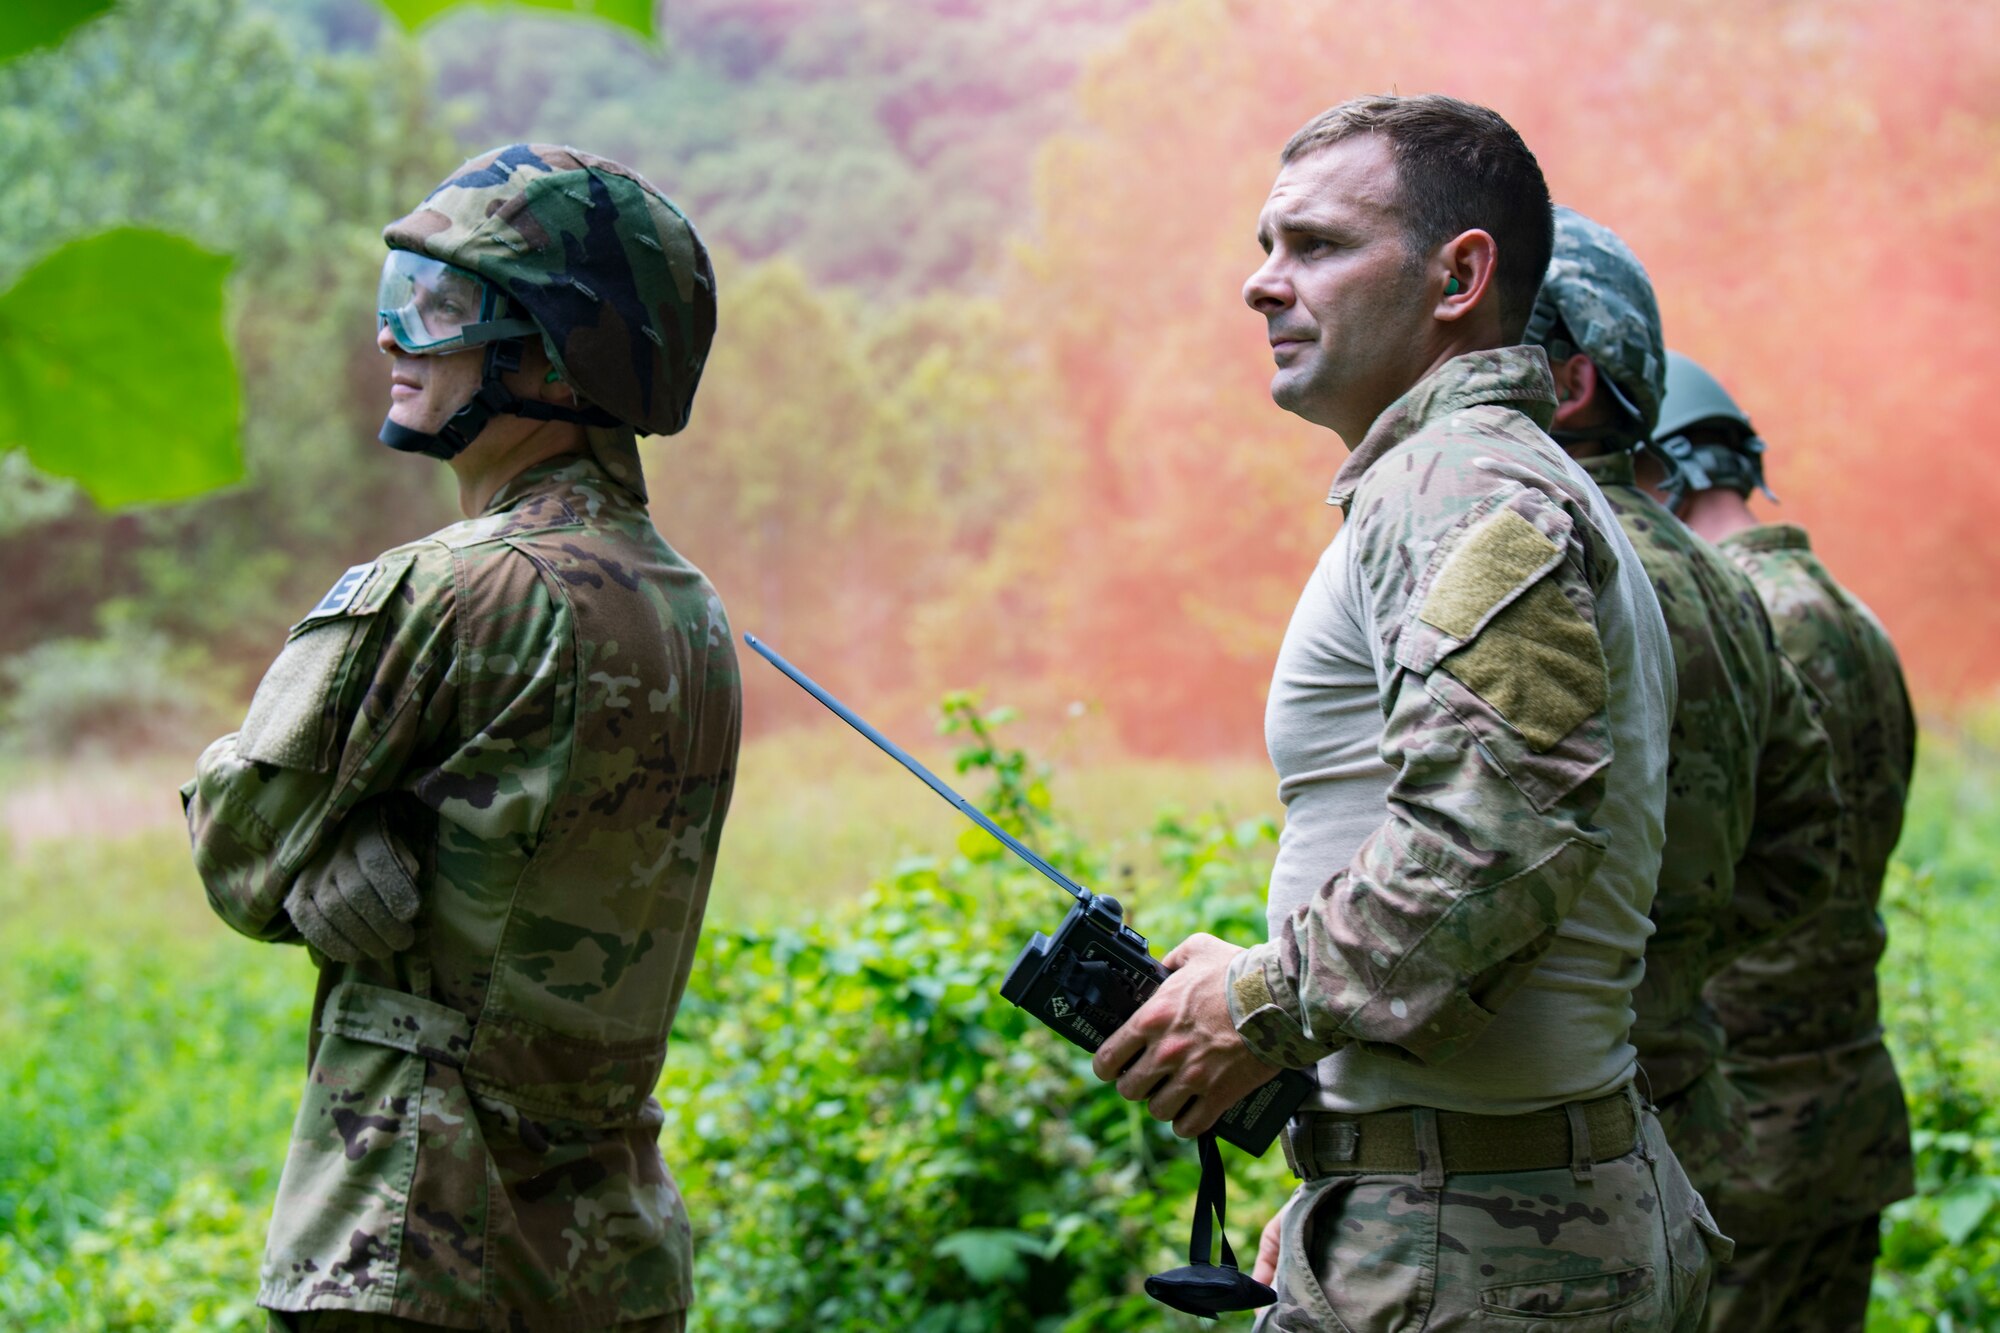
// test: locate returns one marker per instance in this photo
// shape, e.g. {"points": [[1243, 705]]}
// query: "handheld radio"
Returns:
{"points": [[1095, 971]]}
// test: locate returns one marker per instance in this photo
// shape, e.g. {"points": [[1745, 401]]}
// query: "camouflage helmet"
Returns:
{"points": [[1596, 299], [612, 273], [1696, 398]]}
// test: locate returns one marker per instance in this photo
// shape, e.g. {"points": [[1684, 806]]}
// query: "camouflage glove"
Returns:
{"points": [[357, 898]]}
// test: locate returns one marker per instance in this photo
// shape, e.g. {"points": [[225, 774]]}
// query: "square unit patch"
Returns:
{"points": [[341, 595]]}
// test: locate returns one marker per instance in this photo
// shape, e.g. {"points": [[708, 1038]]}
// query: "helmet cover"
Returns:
{"points": [[1598, 291], [612, 273]]}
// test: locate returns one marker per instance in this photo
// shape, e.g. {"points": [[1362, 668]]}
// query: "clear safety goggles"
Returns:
{"points": [[431, 307]]}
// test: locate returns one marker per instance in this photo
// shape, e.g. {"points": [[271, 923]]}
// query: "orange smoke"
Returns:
{"points": [[1812, 184]]}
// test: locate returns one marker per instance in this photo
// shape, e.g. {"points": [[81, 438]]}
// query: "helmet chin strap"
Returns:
{"points": [[494, 399]]}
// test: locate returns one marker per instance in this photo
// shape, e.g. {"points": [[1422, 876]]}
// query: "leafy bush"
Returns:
{"points": [[179, 1267], [129, 690], [903, 1148], [1940, 1264], [868, 1136]]}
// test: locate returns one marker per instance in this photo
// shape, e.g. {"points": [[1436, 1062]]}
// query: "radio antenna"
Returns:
{"points": [[930, 779]]}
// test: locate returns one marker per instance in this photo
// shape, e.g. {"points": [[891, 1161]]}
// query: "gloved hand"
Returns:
{"points": [[357, 898]]}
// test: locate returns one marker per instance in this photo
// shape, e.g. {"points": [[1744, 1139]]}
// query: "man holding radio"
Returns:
{"points": [[1469, 721]]}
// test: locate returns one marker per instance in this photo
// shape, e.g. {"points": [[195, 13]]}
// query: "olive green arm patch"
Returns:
{"points": [[1495, 561], [1538, 664]]}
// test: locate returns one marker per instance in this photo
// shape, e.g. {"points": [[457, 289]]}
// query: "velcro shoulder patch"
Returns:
{"points": [[294, 719], [1494, 562]]}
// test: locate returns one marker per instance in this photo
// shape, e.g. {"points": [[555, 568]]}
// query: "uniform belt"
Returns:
{"points": [[1575, 1134]]}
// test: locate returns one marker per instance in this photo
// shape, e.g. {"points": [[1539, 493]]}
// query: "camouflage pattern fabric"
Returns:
{"points": [[1632, 1247], [349, 1321], [1805, 1034], [544, 700], [1597, 289], [1818, 1282], [1497, 721], [612, 272], [1753, 818]]}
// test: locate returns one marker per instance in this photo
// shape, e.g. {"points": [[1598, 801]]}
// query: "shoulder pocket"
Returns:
{"points": [[294, 717], [1492, 612]]}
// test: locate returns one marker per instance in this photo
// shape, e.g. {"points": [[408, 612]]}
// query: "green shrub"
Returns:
{"points": [[867, 1135], [1940, 1266], [180, 1267], [870, 1137], [129, 690]]}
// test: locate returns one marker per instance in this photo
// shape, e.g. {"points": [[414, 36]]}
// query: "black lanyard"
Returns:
{"points": [[1200, 1287]]}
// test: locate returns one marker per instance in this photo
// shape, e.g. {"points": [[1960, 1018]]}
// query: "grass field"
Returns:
{"points": [[149, 1059]]}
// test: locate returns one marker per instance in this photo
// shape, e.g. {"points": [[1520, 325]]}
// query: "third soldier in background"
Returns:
{"points": [[1832, 1137], [1753, 820]]}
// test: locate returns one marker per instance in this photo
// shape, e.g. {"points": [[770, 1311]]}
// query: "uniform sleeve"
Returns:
{"points": [[1793, 858], [359, 687], [1496, 720]]}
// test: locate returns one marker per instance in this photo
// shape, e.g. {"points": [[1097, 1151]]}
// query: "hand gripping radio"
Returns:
{"points": [[1084, 982]]}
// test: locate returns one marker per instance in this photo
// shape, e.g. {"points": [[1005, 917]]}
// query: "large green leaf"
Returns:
{"points": [[117, 370], [989, 1254], [634, 14], [27, 24]]}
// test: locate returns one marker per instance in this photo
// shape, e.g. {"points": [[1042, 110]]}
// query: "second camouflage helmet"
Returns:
{"points": [[612, 273], [1597, 298]]}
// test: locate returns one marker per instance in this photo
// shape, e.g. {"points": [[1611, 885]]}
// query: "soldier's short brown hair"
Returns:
{"points": [[1458, 166]]}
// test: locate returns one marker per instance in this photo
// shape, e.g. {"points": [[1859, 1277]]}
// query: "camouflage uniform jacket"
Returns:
{"points": [[1805, 1036], [1753, 819], [546, 699], [1488, 559]]}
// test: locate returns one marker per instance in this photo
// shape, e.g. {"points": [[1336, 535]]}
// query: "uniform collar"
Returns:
{"points": [[1610, 469], [1516, 376], [1769, 537], [549, 474]]}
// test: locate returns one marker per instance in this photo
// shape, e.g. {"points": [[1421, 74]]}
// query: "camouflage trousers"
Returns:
{"points": [[1818, 1282], [1707, 1124], [357, 1321], [1629, 1248]]}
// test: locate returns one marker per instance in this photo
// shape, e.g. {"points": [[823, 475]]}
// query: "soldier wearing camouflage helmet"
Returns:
{"points": [[1753, 821], [1831, 1133], [485, 782], [1468, 720]]}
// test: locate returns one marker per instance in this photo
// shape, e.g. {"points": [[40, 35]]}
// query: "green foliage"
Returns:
{"points": [[867, 1135], [885, 146], [634, 14], [119, 372], [129, 689], [27, 24], [150, 1072], [178, 1266], [902, 1148], [240, 130], [1941, 1249]]}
